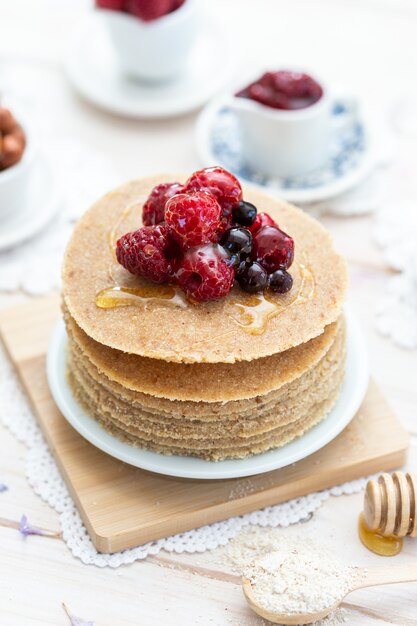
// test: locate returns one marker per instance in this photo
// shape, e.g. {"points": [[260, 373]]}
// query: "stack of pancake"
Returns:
{"points": [[203, 380]]}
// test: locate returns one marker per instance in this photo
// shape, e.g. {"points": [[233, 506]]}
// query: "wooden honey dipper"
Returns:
{"points": [[390, 505]]}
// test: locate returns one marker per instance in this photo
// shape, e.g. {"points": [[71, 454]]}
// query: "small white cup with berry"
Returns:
{"points": [[152, 39], [286, 122], [202, 236]]}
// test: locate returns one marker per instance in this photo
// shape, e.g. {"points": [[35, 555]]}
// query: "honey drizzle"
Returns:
{"points": [[112, 236], [113, 297], [254, 314], [377, 543]]}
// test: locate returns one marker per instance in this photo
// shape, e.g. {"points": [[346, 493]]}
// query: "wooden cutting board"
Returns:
{"points": [[123, 506]]}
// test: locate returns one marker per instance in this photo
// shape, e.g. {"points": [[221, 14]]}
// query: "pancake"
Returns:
{"points": [[280, 410], [278, 439], [240, 429], [213, 332], [203, 382]]}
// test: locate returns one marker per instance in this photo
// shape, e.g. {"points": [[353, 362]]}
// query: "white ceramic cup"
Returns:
{"points": [[156, 50], [289, 143], [14, 180]]}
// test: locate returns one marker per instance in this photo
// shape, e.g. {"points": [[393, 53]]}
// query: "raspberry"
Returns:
{"points": [[273, 248], [114, 5], [222, 184], [149, 252], [193, 218], [153, 211], [262, 219], [176, 4], [226, 222], [204, 274], [148, 10]]}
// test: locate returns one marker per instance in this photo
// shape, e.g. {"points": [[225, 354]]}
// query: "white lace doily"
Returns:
{"points": [[44, 477]]}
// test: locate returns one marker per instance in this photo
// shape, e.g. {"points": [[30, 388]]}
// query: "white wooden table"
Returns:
{"points": [[368, 44]]}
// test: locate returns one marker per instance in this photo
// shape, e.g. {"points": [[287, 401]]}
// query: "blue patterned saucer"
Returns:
{"points": [[350, 159]]}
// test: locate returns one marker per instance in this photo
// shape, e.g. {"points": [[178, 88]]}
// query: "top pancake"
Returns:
{"points": [[212, 332]]}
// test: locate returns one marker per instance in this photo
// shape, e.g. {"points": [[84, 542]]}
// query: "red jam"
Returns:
{"points": [[283, 90]]}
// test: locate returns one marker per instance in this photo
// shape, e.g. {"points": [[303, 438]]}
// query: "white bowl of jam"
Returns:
{"points": [[286, 122]]}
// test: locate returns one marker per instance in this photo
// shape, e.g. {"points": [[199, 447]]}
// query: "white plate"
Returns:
{"points": [[93, 70], [352, 156], [43, 201], [350, 399]]}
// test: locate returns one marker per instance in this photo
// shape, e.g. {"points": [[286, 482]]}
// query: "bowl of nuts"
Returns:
{"points": [[16, 155]]}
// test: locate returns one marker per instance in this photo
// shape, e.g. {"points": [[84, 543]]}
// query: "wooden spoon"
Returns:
{"points": [[369, 577]]}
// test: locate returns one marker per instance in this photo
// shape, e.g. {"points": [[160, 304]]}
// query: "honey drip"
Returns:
{"points": [[253, 314], [377, 543], [113, 234], [113, 297]]}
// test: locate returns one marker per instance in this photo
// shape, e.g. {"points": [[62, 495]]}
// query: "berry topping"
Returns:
{"points": [[238, 243], [193, 218], [204, 274], [149, 252], [222, 184], [153, 211], [202, 236], [280, 281], [273, 248], [244, 213], [252, 277], [283, 90], [148, 10], [262, 219]]}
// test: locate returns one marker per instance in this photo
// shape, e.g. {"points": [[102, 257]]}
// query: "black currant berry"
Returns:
{"points": [[252, 278], [245, 213], [238, 243], [280, 281]]}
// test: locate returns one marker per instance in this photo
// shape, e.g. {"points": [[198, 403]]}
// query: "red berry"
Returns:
{"points": [[149, 252], [148, 10], [262, 219], [176, 4], [153, 211], [205, 275], [226, 223], [222, 184], [193, 218], [273, 248], [114, 5]]}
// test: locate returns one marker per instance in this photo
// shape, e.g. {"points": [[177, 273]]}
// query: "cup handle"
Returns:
{"points": [[345, 110]]}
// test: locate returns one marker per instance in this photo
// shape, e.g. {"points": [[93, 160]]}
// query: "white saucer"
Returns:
{"points": [[349, 401], [43, 201], [352, 156], [93, 70]]}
